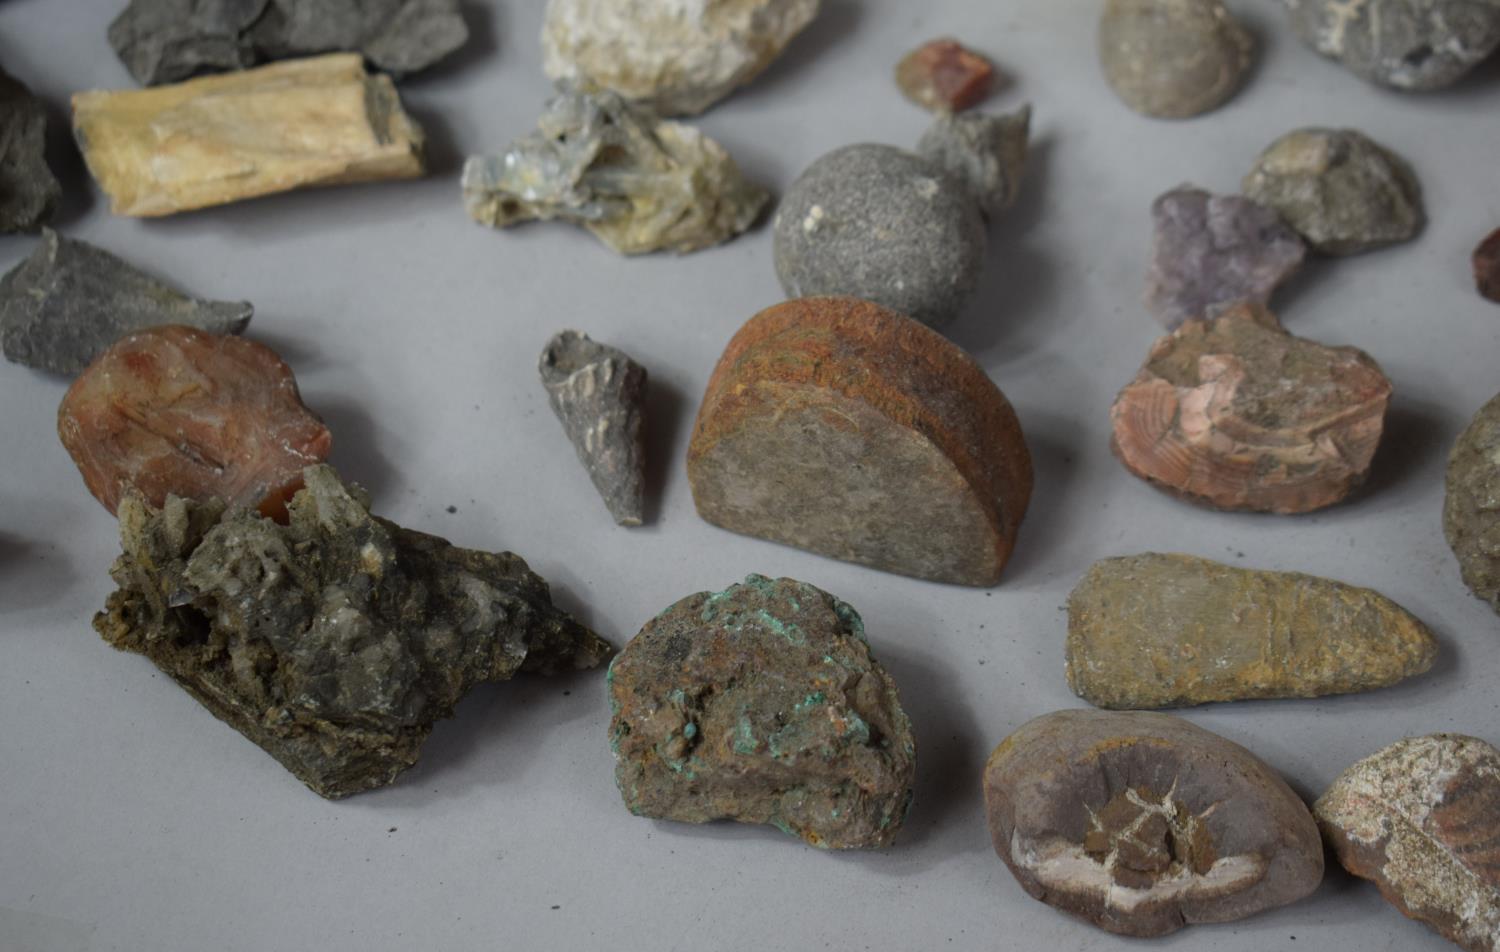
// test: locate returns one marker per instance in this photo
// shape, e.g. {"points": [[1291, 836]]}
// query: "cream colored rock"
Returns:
{"points": [[316, 121]]}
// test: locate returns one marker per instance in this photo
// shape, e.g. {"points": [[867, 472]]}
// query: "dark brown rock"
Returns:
{"points": [[1487, 266]]}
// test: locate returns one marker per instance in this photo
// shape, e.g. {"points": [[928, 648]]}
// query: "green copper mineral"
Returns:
{"points": [[334, 642], [1471, 511]]}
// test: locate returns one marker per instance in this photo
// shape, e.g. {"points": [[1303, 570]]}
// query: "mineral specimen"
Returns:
{"points": [[1340, 190], [638, 183], [175, 411], [1487, 266], [164, 41], [599, 394], [1173, 59], [1407, 44], [28, 190], [988, 153], [1421, 819], [61, 307], [334, 642], [677, 58], [1213, 251], [762, 704], [1471, 514], [1143, 823], [945, 76], [840, 427], [1171, 630], [218, 139], [1235, 413]]}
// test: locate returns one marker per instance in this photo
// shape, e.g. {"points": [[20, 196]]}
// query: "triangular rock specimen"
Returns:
{"points": [[28, 190], [64, 305], [599, 394], [841, 427], [1471, 515], [334, 642], [1152, 630]]}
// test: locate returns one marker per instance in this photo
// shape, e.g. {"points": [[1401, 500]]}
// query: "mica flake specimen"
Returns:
{"points": [[762, 704], [334, 642], [1471, 508], [1151, 630], [1421, 819], [945, 76], [66, 303], [1235, 413], [220, 139], [29, 192], [1173, 59], [840, 427], [1487, 267], [1142, 823], [638, 183], [1405, 44]]}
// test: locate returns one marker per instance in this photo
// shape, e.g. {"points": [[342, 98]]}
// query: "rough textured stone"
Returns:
{"points": [[1213, 251], [1407, 44], [165, 41], [66, 303], [638, 183], [1487, 266], [840, 427], [1143, 823], [1471, 510], [177, 411], [1421, 819], [1235, 413], [1173, 59], [1339, 189], [219, 139], [29, 192], [986, 152], [1155, 630], [945, 76], [762, 704], [334, 642], [677, 58], [599, 394]]}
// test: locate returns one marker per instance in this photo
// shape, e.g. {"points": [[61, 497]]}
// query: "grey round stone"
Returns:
{"points": [[1173, 59], [879, 223], [1471, 520], [1405, 44]]}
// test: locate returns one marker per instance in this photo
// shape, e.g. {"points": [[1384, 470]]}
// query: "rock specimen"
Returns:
{"points": [[334, 642], [638, 183], [1339, 189], [178, 411], [1421, 819], [1406, 44], [840, 427], [219, 139], [1143, 823], [1235, 413], [945, 76], [599, 394], [28, 190], [165, 41], [1213, 251], [64, 305], [1487, 266], [676, 58], [1471, 513], [1173, 59], [762, 704], [1171, 630], [988, 153]]}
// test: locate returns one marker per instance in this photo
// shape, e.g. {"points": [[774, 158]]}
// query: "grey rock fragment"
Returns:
{"points": [[1405, 44], [1471, 515], [1173, 59], [69, 301], [28, 190], [599, 394], [987, 152]]}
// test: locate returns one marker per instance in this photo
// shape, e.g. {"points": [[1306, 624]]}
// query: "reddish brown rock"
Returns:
{"points": [[1487, 266], [1235, 413], [174, 410], [841, 427], [945, 76]]}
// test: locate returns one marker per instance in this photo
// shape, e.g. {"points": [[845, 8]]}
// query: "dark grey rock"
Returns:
{"points": [[1471, 518], [599, 394], [987, 152], [28, 190], [1405, 44], [67, 302]]}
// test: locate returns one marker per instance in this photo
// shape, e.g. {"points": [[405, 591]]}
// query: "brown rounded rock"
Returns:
{"points": [[1173, 59], [1487, 266]]}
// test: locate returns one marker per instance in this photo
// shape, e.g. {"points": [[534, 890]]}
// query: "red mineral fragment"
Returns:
{"points": [[944, 75], [1487, 266]]}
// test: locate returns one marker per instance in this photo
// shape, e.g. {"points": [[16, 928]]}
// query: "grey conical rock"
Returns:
{"points": [[28, 189], [988, 153], [599, 394], [69, 301]]}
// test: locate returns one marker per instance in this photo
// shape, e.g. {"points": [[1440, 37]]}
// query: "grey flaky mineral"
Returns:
{"points": [[1211, 252], [638, 183], [66, 303], [164, 41], [1173, 59], [1406, 44], [1339, 189], [1471, 510], [1421, 819], [762, 704], [599, 395], [1142, 823], [28, 190], [986, 152], [334, 642]]}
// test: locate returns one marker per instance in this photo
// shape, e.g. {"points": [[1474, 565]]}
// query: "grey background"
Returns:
{"points": [[131, 819]]}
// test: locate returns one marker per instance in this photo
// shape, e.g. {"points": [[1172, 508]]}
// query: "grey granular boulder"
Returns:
{"points": [[28, 190], [1471, 511], [1173, 59], [1405, 44]]}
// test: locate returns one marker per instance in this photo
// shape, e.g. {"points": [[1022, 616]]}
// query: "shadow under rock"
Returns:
{"points": [[665, 442], [441, 154], [1416, 434], [836, 22], [1055, 452], [31, 574], [356, 451], [66, 162]]}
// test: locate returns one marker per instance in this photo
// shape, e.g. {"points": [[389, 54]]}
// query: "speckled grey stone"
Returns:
{"points": [[1471, 518], [28, 190], [1173, 59], [1405, 44], [986, 152]]}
